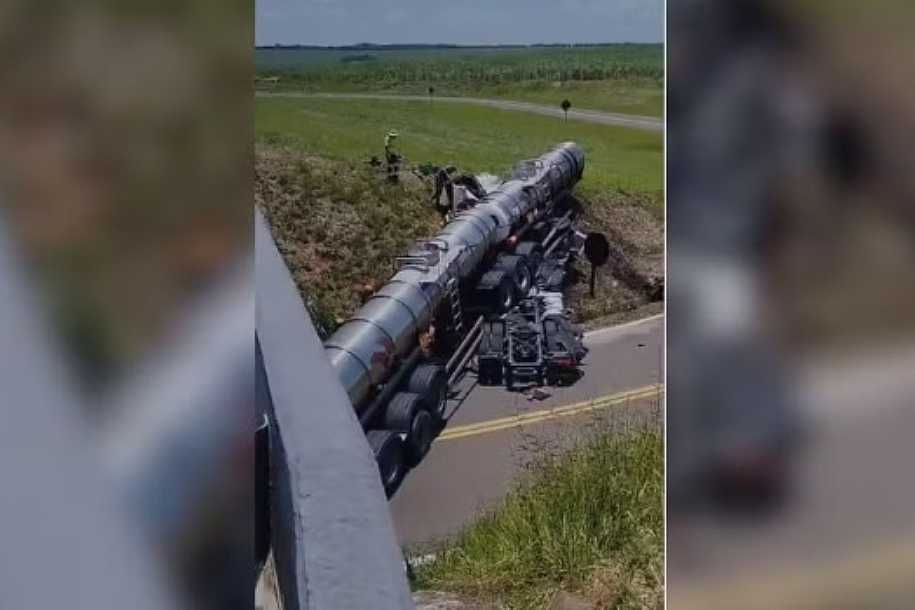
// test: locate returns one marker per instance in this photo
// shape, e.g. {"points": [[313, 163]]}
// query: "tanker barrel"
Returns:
{"points": [[368, 348]]}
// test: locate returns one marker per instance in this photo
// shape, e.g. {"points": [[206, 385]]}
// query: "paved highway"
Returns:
{"points": [[588, 116], [479, 454], [846, 536]]}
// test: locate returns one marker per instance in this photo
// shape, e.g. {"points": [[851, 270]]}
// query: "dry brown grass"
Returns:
{"points": [[625, 288], [339, 225]]}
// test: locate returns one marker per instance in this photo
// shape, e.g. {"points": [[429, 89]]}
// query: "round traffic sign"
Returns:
{"points": [[597, 249]]}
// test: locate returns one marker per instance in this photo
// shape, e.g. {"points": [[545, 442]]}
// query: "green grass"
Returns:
{"points": [[339, 225], [588, 520], [616, 78], [476, 139], [466, 63], [632, 96]]}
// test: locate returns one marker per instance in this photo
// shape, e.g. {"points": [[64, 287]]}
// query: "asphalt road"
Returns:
{"points": [[481, 451], [588, 116], [845, 537]]}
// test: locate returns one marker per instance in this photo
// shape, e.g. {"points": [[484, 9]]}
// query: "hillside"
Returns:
{"points": [[339, 226]]}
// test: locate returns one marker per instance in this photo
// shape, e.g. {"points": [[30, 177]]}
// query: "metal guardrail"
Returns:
{"points": [[333, 539], [81, 504]]}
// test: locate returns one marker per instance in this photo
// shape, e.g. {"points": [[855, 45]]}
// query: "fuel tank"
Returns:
{"points": [[367, 348]]}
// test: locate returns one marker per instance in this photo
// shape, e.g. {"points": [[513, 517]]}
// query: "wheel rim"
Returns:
{"points": [[524, 280], [507, 300], [395, 468], [421, 434], [439, 405], [393, 475]]}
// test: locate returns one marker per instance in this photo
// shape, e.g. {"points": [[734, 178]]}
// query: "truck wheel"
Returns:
{"points": [[419, 440], [431, 382], [408, 414], [495, 291], [497, 328], [552, 378], [516, 268], [493, 337], [506, 295], [390, 455], [533, 252], [489, 353]]}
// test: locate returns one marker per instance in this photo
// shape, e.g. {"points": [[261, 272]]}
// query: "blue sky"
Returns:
{"points": [[338, 22]]}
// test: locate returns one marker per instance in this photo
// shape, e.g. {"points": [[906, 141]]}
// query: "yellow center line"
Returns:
{"points": [[533, 417]]}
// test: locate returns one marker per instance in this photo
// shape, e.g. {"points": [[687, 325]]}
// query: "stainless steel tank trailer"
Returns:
{"points": [[460, 295]]}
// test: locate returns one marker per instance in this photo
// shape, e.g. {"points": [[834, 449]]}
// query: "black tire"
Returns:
{"points": [[490, 375], [408, 414], [419, 440], [390, 454], [489, 352], [533, 252], [506, 295], [401, 409], [493, 338], [431, 382], [495, 291], [497, 328], [516, 268]]}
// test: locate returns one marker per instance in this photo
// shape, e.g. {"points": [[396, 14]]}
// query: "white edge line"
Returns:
{"points": [[607, 329]]}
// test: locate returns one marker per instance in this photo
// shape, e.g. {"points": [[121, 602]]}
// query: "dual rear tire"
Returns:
{"points": [[411, 421], [406, 437], [533, 254], [431, 382], [408, 414], [490, 353], [391, 456], [505, 284], [517, 269]]}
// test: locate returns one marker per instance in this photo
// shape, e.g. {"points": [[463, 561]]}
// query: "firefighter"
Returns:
{"points": [[391, 157], [443, 183]]}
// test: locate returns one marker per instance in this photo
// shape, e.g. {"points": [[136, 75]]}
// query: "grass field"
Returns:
{"points": [[473, 138], [588, 520], [619, 78]]}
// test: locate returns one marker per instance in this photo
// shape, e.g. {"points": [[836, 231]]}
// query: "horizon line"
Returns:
{"points": [[449, 44]]}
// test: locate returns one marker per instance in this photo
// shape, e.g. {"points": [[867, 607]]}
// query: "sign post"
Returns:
{"points": [[597, 251]]}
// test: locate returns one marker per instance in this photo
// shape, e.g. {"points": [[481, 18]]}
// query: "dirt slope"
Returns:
{"points": [[339, 226]]}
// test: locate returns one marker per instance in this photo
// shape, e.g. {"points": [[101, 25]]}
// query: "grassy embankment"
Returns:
{"points": [[615, 78], [474, 138], [340, 226], [588, 520]]}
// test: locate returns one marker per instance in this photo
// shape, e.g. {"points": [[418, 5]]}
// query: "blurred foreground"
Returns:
{"points": [[126, 306], [791, 245]]}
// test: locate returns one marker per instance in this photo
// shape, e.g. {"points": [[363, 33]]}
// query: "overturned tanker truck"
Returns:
{"points": [[486, 288]]}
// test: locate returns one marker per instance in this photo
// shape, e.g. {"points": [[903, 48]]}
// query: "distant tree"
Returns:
{"points": [[431, 93], [565, 105]]}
